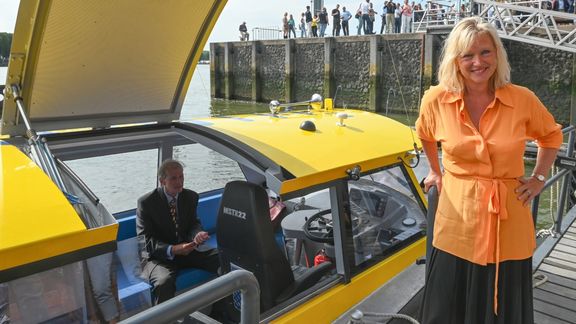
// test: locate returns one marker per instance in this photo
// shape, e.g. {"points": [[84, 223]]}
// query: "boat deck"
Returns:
{"points": [[555, 299]]}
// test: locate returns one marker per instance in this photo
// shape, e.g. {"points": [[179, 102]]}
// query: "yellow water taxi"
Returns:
{"points": [[102, 84]]}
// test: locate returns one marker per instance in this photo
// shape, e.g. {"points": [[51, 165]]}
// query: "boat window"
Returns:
{"points": [[118, 179], [385, 215], [308, 229], [205, 169]]}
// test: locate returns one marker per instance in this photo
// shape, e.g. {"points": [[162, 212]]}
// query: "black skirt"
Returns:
{"points": [[460, 292]]}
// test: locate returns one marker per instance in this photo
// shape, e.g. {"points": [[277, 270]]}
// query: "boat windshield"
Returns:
{"points": [[384, 212]]}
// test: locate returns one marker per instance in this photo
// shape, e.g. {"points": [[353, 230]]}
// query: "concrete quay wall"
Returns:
{"points": [[382, 73]]}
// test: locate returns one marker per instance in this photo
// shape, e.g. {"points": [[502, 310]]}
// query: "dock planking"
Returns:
{"points": [[541, 318], [555, 299], [554, 311]]}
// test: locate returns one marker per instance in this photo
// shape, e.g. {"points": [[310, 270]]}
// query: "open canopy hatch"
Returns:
{"points": [[102, 63]]}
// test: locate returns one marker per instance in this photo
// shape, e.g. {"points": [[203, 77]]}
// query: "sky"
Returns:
{"points": [[256, 13]]}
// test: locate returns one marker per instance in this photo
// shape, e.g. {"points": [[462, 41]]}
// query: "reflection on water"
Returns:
{"points": [[229, 107]]}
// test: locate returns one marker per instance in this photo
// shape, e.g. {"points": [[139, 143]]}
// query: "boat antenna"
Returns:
{"points": [[416, 151], [339, 87]]}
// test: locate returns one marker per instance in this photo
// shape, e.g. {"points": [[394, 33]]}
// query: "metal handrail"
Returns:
{"points": [[563, 175], [204, 295], [263, 33]]}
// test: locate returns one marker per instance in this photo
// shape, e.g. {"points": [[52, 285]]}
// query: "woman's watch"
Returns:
{"points": [[539, 177]]}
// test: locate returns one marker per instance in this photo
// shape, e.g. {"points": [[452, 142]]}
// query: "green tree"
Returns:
{"points": [[205, 56], [5, 43]]}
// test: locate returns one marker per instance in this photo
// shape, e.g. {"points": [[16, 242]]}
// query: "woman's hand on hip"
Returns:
{"points": [[529, 188]]}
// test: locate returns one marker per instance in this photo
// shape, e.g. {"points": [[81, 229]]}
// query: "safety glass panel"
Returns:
{"points": [[118, 179], [385, 214], [205, 169], [308, 228]]}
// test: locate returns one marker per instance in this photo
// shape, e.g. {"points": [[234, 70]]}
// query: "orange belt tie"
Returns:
{"points": [[498, 194]]}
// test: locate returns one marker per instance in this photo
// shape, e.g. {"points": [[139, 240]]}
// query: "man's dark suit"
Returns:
{"points": [[156, 231]]}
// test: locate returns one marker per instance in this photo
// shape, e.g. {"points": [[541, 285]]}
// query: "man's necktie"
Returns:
{"points": [[174, 214]]}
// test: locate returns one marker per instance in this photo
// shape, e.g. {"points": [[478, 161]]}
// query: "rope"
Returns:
{"points": [[358, 317], [542, 278], [554, 190], [404, 105]]}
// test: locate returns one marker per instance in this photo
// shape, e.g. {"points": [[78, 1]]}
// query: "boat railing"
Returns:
{"points": [[564, 175], [205, 295], [531, 22], [264, 33]]}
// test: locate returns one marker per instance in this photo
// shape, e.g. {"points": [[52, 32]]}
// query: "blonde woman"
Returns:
{"points": [[481, 264]]}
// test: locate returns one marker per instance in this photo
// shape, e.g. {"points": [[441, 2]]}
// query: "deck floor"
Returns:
{"points": [[555, 300]]}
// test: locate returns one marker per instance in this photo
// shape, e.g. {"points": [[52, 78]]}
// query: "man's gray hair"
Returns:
{"points": [[168, 164]]}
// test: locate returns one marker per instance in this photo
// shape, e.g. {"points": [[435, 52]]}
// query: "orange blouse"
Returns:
{"points": [[479, 217]]}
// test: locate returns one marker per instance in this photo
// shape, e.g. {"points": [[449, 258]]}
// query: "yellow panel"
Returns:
{"points": [[33, 211], [128, 61], [328, 306], [366, 137]]}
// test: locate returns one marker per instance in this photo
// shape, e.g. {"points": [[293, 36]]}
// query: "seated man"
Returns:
{"points": [[244, 36], [169, 233]]}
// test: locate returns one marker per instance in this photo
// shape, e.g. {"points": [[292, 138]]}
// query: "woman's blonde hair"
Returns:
{"points": [[459, 41]]}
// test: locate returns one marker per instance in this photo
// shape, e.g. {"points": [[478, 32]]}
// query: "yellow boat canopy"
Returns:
{"points": [[102, 63], [39, 228], [306, 158]]}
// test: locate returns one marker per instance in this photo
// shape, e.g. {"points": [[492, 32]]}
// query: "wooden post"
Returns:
{"points": [[228, 91], [213, 66], [428, 68], [374, 75], [289, 70], [328, 88], [256, 87]]}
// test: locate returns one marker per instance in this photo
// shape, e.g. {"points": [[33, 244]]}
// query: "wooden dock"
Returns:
{"points": [[555, 299]]}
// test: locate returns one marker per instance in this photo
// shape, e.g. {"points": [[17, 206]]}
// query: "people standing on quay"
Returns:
{"points": [[372, 18], [364, 9], [308, 21], [480, 270], [360, 20], [314, 25], [406, 17], [285, 27], [390, 20], [346, 16], [302, 25], [383, 15], [323, 21], [336, 21], [291, 26], [244, 36], [397, 18]]}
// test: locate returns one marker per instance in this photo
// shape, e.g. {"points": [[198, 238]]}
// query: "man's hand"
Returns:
{"points": [[201, 237], [183, 248]]}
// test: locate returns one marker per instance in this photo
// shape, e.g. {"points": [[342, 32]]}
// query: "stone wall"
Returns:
{"points": [[352, 72], [308, 69], [547, 72], [241, 63], [383, 73]]}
